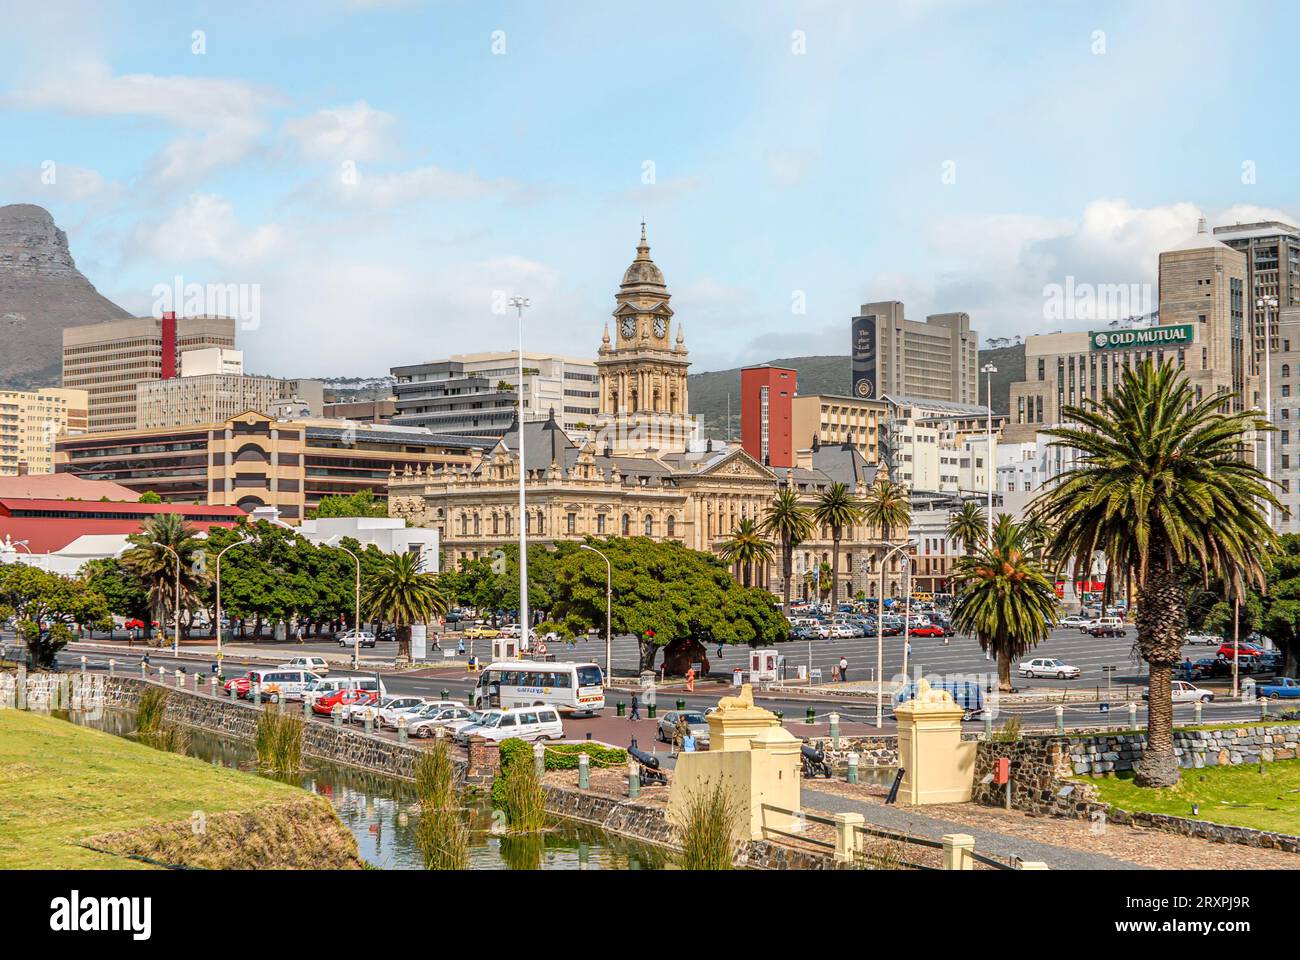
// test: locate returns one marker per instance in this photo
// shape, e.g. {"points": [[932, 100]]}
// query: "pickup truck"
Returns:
{"points": [[1282, 688]]}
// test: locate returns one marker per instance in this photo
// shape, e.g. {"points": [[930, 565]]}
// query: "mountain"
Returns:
{"points": [[709, 391], [41, 292]]}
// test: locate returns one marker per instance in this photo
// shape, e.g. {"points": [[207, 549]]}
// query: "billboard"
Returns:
{"points": [[1168, 335], [863, 350]]}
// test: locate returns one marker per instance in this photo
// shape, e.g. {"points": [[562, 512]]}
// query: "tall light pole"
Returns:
{"points": [[356, 616], [176, 604], [988, 463], [880, 632], [519, 303], [220, 553], [609, 594], [1266, 303]]}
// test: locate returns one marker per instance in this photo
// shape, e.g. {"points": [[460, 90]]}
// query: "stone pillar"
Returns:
{"points": [[848, 841], [957, 850], [939, 767], [484, 758]]}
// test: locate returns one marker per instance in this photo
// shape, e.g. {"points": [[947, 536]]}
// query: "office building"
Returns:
{"points": [[1272, 252], [1202, 328], [829, 419], [29, 423], [363, 411], [107, 360], [213, 387], [766, 393], [1285, 439], [937, 359], [475, 394], [253, 461]]}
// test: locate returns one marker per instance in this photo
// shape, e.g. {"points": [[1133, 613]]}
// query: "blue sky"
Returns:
{"points": [[383, 173]]}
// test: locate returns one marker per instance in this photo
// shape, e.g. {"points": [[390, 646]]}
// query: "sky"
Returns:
{"points": [[367, 183]]}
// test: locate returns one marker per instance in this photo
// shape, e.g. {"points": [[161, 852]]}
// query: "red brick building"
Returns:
{"points": [[766, 393]]}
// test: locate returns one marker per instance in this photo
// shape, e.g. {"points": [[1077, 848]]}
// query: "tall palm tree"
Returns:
{"points": [[747, 548], [400, 593], [888, 507], [1159, 484], [789, 522], [967, 526], [836, 507], [1004, 597], [148, 559]]}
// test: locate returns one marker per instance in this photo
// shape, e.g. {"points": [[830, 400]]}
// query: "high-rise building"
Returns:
{"points": [[766, 393], [475, 394], [1285, 440], [1202, 328], [1272, 252], [30, 421], [107, 360], [213, 388], [937, 359], [831, 420]]}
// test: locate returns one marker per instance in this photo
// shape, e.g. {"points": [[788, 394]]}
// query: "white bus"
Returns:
{"points": [[569, 687]]}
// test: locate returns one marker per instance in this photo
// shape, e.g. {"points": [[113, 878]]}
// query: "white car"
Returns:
{"points": [[842, 631], [1074, 620], [520, 723], [349, 639], [456, 726], [389, 710], [426, 722], [1184, 692], [356, 712], [1049, 667], [1208, 639], [412, 713], [316, 665]]}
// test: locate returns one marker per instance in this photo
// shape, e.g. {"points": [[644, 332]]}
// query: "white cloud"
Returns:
{"points": [[205, 228], [355, 132], [386, 190]]}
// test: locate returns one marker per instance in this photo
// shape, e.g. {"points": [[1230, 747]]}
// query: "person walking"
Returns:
{"points": [[460, 647], [690, 679], [844, 670], [635, 712]]}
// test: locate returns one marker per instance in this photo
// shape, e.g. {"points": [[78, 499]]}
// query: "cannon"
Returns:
{"points": [[814, 762], [650, 772]]}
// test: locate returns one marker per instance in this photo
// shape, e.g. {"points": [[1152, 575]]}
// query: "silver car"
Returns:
{"points": [[695, 720]]}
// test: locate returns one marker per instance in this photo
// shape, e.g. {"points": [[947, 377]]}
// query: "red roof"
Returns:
{"points": [[76, 518], [63, 486]]}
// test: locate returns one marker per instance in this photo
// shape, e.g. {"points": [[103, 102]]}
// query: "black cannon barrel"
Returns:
{"points": [[815, 754], [643, 758]]}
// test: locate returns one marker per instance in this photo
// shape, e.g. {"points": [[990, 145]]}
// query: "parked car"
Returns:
{"points": [[277, 683], [1284, 688], [1208, 639], [929, 630], [316, 665], [699, 727], [1184, 692], [426, 722], [395, 704], [349, 639], [1243, 650], [1207, 667], [347, 696], [479, 632], [1074, 620], [521, 723], [474, 719], [1049, 667], [842, 631], [330, 685], [1105, 627], [387, 713], [388, 718]]}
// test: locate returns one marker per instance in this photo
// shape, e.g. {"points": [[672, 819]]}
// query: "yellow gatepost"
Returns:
{"points": [[938, 766], [753, 757]]}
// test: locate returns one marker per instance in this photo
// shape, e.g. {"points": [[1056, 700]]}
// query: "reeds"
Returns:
{"points": [[521, 795], [706, 828], [441, 834], [152, 727], [279, 741]]}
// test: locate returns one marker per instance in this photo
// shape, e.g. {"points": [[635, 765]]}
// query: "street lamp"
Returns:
{"points": [[519, 303], [1266, 303], [988, 464], [356, 616], [609, 586], [880, 630], [176, 605], [220, 553]]}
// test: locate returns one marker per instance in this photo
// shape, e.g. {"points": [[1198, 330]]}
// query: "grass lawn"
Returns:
{"points": [[1238, 796], [62, 782]]}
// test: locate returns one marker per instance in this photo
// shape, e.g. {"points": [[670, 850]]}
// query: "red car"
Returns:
{"points": [[1243, 650], [324, 706], [240, 685], [929, 630]]}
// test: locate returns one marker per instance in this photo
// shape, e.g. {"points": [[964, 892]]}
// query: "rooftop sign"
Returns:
{"points": [[1139, 338]]}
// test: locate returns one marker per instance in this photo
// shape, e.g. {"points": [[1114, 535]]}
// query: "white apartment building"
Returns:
{"points": [[30, 421]]}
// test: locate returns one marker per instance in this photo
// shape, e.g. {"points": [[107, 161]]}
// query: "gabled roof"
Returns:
{"points": [[63, 486]]}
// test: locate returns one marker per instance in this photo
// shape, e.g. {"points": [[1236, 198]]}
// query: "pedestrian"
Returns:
{"points": [[681, 731], [635, 713], [460, 647], [720, 646], [299, 631], [909, 648], [690, 679], [844, 670]]}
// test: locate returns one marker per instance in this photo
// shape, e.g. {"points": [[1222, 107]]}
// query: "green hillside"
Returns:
{"points": [[709, 391]]}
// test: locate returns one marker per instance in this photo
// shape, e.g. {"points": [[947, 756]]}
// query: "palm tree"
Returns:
{"points": [[150, 560], [887, 507], [787, 520], [746, 548], [398, 592], [1160, 483], [968, 526], [836, 507], [1004, 597]]}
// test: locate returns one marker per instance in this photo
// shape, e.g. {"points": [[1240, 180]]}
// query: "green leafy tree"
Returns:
{"points": [[359, 504], [148, 497], [124, 592], [1160, 484], [746, 548], [790, 523], [968, 526], [398, 592], [1004, 597], [149, 558], [836, 507], [46, 605]]}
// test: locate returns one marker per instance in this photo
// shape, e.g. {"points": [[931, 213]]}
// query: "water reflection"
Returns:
{"points": [[382, 814]]}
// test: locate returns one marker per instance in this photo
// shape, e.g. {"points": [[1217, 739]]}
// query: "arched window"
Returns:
{"points": [[541, 524], [672, 526], [627, 525], [1286, 370], [507, 524], [477, 530], [464, 525], [496, 524], [649, 525]]}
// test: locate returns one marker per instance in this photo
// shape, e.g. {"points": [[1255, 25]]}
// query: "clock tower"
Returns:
{"points": [[643, 401]]}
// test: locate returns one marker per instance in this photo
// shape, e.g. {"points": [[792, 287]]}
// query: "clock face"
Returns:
{"points": [[661, 327], [629, 327]]}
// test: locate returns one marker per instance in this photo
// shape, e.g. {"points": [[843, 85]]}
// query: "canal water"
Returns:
{"points": [[382, 814]]}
